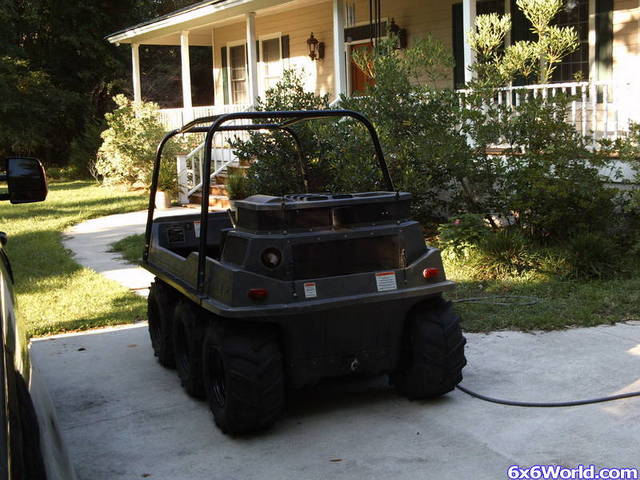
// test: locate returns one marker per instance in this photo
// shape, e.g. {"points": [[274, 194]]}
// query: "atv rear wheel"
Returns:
{"points": [[160, 306], [188, 332], [243, 377], [432, 356]]}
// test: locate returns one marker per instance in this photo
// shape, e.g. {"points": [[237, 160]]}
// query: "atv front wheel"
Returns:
{"points": [[243, 377], [432, 356], [160, 306]]}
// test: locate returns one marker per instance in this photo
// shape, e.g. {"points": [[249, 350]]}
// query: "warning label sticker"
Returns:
{"points": [[386, 281], [196, 228], [310, 290]]}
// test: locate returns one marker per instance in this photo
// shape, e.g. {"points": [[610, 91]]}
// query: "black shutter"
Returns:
{"points": [[458, 45], [604, 39], [284, 46], [225, 75]]}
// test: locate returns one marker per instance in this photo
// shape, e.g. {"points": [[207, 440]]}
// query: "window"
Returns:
{"points": [[235, 76], [483, 7], [271, 60], [575, 13], [238, 73]]}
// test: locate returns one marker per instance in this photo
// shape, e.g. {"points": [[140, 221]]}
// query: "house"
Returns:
{"points": [[252, 41]]}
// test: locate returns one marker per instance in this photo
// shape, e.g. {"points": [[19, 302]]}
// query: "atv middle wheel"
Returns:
{"points": [[160, 306], [243, 377], [432, 356], [188, 332]]}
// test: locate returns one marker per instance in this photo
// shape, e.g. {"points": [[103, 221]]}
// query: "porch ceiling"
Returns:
{"points": [[200, 20]]}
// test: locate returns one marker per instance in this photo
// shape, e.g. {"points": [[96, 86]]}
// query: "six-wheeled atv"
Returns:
{"points": [[295, 289]]}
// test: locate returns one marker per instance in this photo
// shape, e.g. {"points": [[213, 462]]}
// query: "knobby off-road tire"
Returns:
{"points": [[243, 377], [432, 356], [188, 332], [160, 307]]}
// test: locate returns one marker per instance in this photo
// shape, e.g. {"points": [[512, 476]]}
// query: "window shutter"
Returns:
{"points": [[225, 75], [604, 39], [458, 45], [284, 46]]}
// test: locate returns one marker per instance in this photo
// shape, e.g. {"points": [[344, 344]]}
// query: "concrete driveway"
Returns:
{"points": [[125, 417]]}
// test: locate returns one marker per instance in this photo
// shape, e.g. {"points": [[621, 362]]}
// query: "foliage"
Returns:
{"points": [[168, 178], [463, 233], [279, 171], [539, 302], [426, 62], [593, 255], [129, 143], [33, 109], [238, 186], [55, 294], [130, 248], [499, 65], [58, 74]]}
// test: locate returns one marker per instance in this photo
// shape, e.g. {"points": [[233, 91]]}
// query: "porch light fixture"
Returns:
{"points": [[316, 48], [399, 33]]}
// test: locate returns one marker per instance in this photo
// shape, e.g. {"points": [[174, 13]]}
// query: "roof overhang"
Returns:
{"points": [[214, 12]]}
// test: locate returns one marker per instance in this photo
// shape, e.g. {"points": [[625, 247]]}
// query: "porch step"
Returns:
{"points": [[221, 178], [218, 202], [219, 189]]}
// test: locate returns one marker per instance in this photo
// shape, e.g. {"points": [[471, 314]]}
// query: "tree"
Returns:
{"points": [[526, 58], [58, 74]]}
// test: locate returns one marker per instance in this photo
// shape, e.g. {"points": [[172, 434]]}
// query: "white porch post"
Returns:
{"points": [[135, 62], [468, 24], [339, 60], [186, 75], [252, 57]]}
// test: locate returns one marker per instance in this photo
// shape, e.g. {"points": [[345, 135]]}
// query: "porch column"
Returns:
{"points": [[252, 58], [135, 62], [339, 60], [186, 74], [468, 24]]}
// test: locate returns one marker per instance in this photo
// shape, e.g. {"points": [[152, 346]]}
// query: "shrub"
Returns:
{"points": [[129, 143], [279, 170], [592, 255], [238, 186], [463, 233], [546, 181]]}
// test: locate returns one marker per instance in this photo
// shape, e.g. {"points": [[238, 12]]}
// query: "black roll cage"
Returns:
{"points": [[288, 119]]}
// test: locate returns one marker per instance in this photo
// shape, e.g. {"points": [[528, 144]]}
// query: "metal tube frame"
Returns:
{"points": [[217, 122]]}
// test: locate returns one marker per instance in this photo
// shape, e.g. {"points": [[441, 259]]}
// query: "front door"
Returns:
{"points": [[359, 79]]}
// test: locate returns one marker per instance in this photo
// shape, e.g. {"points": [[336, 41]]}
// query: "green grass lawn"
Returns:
{"points": [[55, 294], [559, 303], [130, 248]]}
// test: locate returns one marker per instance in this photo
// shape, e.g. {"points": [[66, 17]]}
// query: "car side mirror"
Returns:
{"points": [[26, 180]]}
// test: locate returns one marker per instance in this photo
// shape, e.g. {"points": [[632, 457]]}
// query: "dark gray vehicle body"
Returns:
{"points": [[351, 268]]}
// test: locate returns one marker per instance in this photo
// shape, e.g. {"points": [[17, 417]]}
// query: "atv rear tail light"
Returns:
{"points": [[258, 293], [430, 273]]}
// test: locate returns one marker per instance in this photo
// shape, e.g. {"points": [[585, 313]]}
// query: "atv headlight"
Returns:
{"points": [[271, 257]]}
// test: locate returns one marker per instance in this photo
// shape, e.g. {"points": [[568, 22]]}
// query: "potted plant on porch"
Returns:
{"points": [[238, 188], [168, 186]]}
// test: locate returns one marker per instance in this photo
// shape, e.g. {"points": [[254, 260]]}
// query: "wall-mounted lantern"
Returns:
{"points": [[316, 48], [399, 33]]}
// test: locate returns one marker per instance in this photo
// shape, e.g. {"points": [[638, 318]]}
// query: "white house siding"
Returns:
{"points": [[298, 23]]}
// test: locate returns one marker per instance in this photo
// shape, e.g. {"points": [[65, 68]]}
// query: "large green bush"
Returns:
{"points": [[129, 143], [544, 183]]}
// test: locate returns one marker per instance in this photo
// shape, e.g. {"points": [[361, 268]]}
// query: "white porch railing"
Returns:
{"points": [[600, 109], [176, 117], [190, 168]]}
